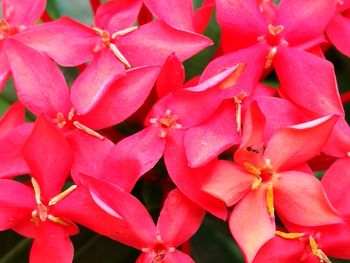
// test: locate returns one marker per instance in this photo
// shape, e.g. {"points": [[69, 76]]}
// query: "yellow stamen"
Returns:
{"points": [[88, 130], [71, 114], [238, 101], [318, 252], [58, 220], [275, 30], [270, 57], [252, 169], [256, 183], [119, 55], [36, 191], [269, 200], [289, 235], [62, 195], [124, 32], [232, 79]]}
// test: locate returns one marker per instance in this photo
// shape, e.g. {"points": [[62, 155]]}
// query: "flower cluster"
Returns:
{"points": [[271, 161]]}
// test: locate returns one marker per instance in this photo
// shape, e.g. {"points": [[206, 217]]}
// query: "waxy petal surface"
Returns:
{"points": [[178, 211], [13, 117], [24, 12], [251, 224], [305, 76], [152, 43], [338, 31], [300, 199], [294, 145], [228, 182], [40, 85], [49, 157], [124, 96], [68, 42]]}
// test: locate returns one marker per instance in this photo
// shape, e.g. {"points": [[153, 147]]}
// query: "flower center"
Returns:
{"points": [[71, 123], [166, 123], [7, 30], [107, 40], [42, 212]]}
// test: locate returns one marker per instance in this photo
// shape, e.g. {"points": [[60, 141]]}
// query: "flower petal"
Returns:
{"points": [[22, 12], [178, 211], [207, 140], [52, 244], [300, 199], [68, 42], [40, 85], [304, 20], [13, 117], [338, 31], [49, 157], [152, 43], [177, 256], [124, 96], [294, 145], [251, 224], [228, 182], [305, 76], [93, 83]]}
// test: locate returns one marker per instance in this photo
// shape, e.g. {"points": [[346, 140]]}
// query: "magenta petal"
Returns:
{"points": [[177, 257], [16, 203], [40, 85], [12, 161], [94, 82], [52, 244], [4, 66], [190, 180], [294, 145], [300, 199], [338, 31], [228, 182], [152, 43], [49, 157], [206, 141], [251, 224], [143, 150], [114, 200], [117, 15], [336, 183], [171, 77], [68, 42], [22, 12], [177, 13], [247, 23], [13, 117], [178, 211], [304, 20], [89, 153], [338, 143], [124, 96], [202, 16], [306, 76]]}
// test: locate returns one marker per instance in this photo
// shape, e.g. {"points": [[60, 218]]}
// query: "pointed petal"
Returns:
{"points": [[4, 66], [304, 20], [338, 31], [16, 203], [190, 180], [178, 211], [338, 143], [22, 12], [336, 182], [93, 83], [12, 161], [110, 197], [40, 85], [206, 141], [228, 182], [89, 153], [202, 16], [252, 144], [143, 150], [51, 244], [177, 13], [294, 145], [124, 96], [68, 42], [152, 43], [117, 15], [49, 157], [300, 199], [247, 23], [171, 77], [13, 117], [251, 224], [306, 76]]}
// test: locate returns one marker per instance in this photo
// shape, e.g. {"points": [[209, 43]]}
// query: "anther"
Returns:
{"points": [[119, 55], [58, 220], [275, 30], [123, 32], [89, 131], [232, 79], [62, 195], [238, 101], [252, 169], [269, 200], [289, 235], [269, 58], [318, 252]]}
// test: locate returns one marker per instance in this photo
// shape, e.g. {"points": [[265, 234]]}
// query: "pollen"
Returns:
{"points": [[289, 235], [317, 251], [252, 169], [270, 56], [238, 101], [232, 79], [269, 200], [166, 123]]}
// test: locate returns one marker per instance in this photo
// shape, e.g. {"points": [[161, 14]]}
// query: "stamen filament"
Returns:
{"points": [[62, 195], [88, 130]]}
